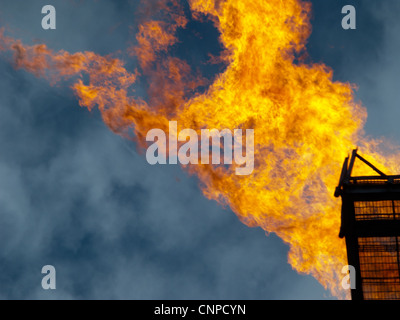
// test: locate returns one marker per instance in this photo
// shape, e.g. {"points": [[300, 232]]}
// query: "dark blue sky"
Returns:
{"points": [[76, 196]]}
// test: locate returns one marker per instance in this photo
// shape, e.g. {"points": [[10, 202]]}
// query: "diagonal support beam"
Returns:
{"points": [[370, 165]]}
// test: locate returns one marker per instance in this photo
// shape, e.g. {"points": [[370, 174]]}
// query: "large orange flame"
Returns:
{"points": [[305, 123]]}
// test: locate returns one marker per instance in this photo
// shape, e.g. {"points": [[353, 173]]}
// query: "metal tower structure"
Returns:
{"points": [[370, 224]]}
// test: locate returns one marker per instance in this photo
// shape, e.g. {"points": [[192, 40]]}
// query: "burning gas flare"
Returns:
{"points": [[304, 122]]}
